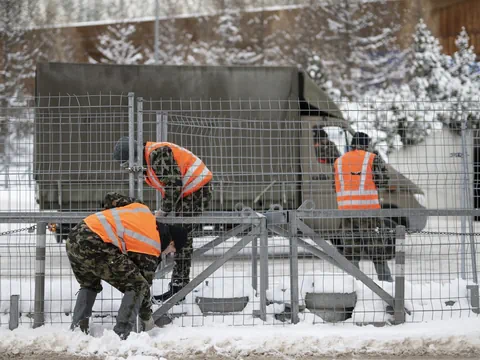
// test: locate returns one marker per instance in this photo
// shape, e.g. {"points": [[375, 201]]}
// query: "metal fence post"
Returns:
{"points": [[294, 298], [14, 312], [263, 267], [38, 317], [467, 196], [161, 121], [139, 166], [255, 264], [131, 144], [399, 309]]}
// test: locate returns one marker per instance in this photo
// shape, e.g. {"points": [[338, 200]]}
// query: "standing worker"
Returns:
{"points": [[185, 184], [325, 149], [122, 246], [359, 175]]}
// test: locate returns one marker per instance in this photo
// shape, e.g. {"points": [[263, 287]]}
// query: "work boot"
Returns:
{"points": [[127, 314], [173, 289], [383, 271], [83, 309]]}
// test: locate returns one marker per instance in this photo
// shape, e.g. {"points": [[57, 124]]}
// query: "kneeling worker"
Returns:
{"points": [[120, 245]]}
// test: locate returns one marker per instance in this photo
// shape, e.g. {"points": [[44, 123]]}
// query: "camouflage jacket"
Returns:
{"points": [[380, 172], [327, 152], [168, 172], [146, 263]]}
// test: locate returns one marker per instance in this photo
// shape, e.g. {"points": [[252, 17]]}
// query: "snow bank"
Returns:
{"points": [[448, 337]]}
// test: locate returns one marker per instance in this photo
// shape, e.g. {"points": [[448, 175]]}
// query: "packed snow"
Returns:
{"points": [[448, 337]]}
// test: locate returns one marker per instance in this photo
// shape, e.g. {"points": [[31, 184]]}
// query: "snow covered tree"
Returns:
{"points": [[465, 96], [361, 50], [400, 112], [116, 46], [431, 80], [278, 43], [17, 64], [308, 31], [254, 31], [229, 45], [229, 37], [17, 55], [172, 43], [463, 59], [317, 71]]}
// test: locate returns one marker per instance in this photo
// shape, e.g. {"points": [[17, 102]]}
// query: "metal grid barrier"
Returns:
{"points": [[263, 250]]}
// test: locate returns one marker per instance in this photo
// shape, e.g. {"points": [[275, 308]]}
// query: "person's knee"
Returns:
{"points": [[138, 285]]}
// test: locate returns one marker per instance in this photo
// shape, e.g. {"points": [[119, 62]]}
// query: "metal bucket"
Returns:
{"points": [[221, 305], [331, 307]]}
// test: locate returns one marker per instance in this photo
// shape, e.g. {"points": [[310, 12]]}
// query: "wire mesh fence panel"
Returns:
{"points": [[278, 235]]}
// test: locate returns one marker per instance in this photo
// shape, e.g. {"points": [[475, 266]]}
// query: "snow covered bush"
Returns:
{"points": [[116, 46], [316, 70]]}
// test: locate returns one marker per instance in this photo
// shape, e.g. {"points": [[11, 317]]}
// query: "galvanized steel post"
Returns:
{"points": [[294, 301], [255, 264], [161, 121], [131, 144], [39, 306], [263, 267], [399, 309], [139, 166]]}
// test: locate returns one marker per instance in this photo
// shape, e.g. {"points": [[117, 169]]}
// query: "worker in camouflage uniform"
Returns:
{"points": [[122, 246], [359, 175], [325, 150], [185, 184]]}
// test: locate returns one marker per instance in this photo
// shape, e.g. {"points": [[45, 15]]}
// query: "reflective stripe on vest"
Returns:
{"points": [[194, 172], [112, 229], [364, 195]]}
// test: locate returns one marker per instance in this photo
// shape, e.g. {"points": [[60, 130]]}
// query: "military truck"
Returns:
{"points": [[252, 126]]}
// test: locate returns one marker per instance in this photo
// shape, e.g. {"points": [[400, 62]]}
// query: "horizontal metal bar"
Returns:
{"points": [[335, 213], [235, 217], [74, 217], [46, 217]]}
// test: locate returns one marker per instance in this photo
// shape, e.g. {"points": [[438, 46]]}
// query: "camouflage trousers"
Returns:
{"points": [[92, 260], [366, 238], [191, 205]]}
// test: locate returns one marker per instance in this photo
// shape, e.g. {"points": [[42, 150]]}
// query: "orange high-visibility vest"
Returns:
{"points": [[131, 228], [194, 172], [354, 183]]}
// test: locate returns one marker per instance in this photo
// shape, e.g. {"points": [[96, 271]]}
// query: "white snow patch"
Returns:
{"points": [[448, 337]]}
